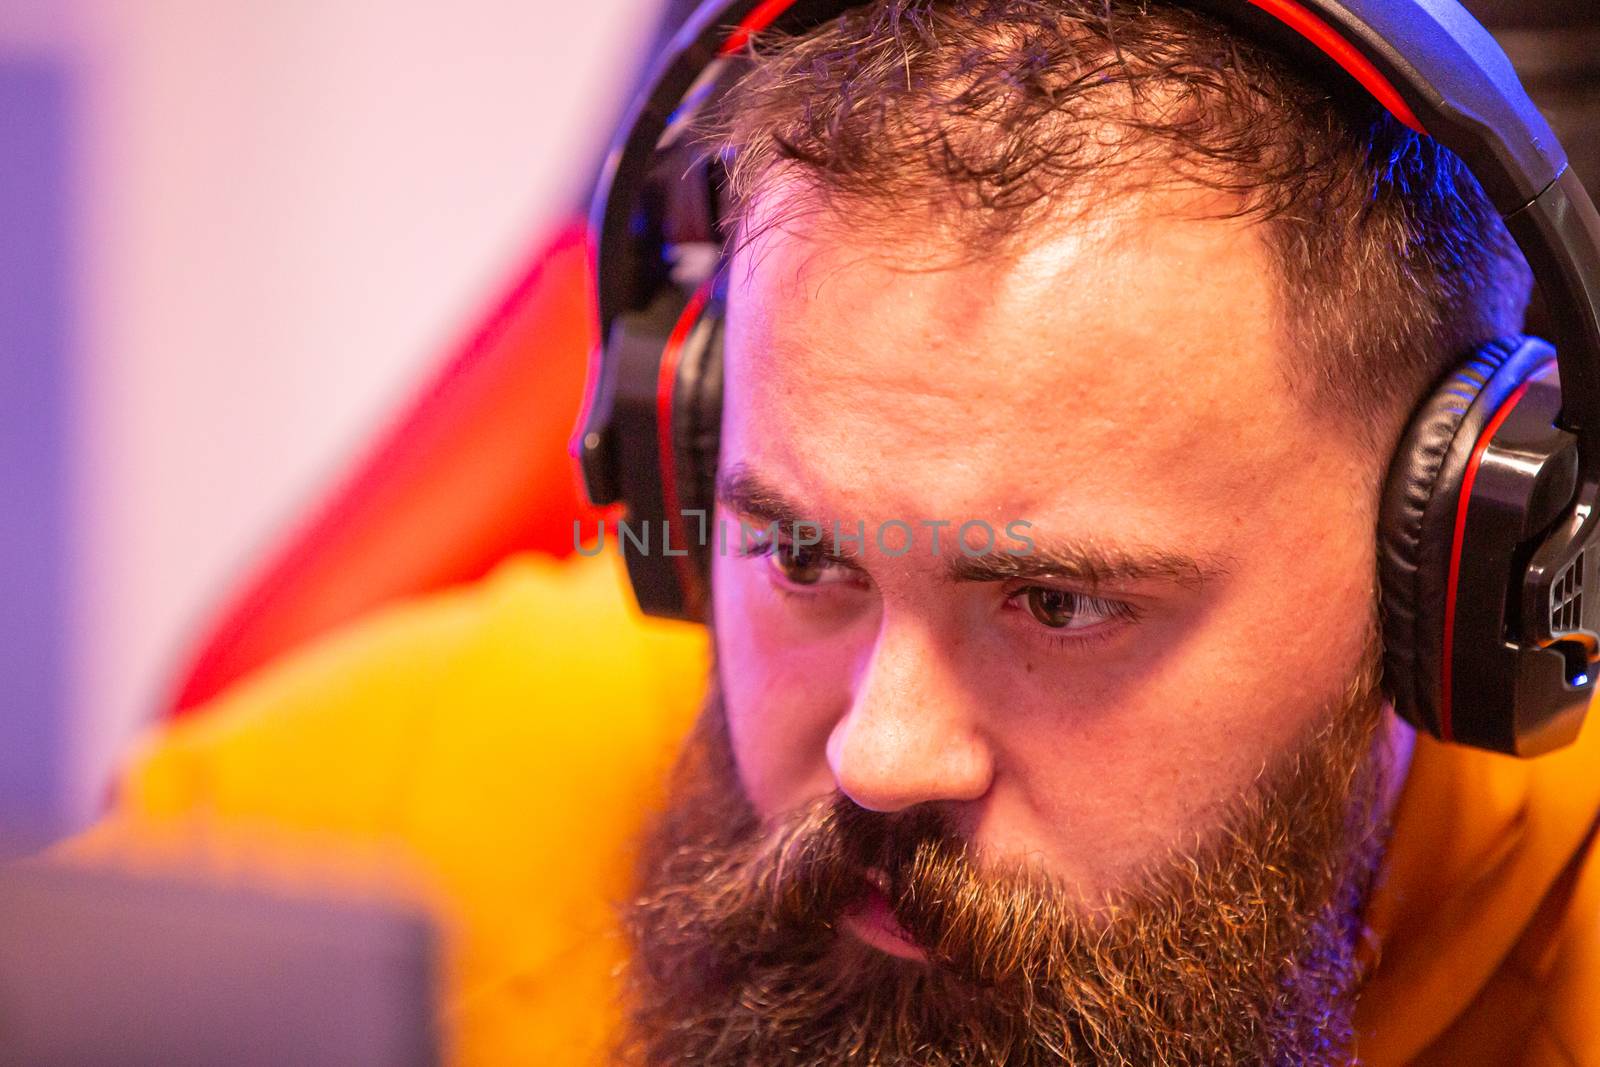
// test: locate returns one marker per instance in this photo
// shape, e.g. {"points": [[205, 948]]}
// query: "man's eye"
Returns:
{"points": [[800, 564], [801, 568], [1060, 609]]}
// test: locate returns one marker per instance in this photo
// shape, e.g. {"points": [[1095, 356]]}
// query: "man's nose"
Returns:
{"points": [[912, 733]]}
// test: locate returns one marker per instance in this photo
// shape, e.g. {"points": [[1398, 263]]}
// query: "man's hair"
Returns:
{"points": [[983, 117]]}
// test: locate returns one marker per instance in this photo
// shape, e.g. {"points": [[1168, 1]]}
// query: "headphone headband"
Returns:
{"points": [[1428, 61]]}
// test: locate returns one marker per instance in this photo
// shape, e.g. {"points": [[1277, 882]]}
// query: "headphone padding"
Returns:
{"points": [[696, 434], [1416, 525]]}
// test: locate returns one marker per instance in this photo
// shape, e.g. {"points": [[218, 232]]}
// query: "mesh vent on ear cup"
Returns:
{"points": [[1566, 607]]}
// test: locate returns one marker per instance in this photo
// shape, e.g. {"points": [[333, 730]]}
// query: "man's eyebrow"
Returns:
{"points": [[1087, 563], [743, 492]]}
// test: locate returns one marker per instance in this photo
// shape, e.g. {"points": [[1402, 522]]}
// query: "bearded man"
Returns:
{"points": [[1119, 798], [1109, 274]]}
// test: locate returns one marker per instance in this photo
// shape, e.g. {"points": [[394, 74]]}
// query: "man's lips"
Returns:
{"points": [[872, 920]]}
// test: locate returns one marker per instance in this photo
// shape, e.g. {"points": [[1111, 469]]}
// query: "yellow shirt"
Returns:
{"points": [[511, 735]]}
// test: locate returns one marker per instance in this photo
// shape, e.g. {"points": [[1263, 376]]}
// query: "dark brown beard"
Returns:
{"points": [[1240, 951]]}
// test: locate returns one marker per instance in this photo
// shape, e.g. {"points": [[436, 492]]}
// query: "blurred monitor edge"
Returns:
{"points": [[106, 968]]}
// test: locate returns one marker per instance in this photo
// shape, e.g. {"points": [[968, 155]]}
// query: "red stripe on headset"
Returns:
{"points": [[1342, 52], [1446, 728], [760, 17], [597, 349], [666, 387], [1324, 37]]}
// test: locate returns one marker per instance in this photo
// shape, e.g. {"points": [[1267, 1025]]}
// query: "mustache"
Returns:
{"points": [[778, 893], [777, 887]]}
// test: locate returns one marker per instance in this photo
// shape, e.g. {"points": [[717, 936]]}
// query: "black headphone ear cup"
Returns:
{"points": [[1417, 520], [697, 412], [697, 431], [648, 446]]}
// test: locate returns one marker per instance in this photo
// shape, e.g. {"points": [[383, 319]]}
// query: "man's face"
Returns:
{"points": [[1201, 573], [1109, 799]]}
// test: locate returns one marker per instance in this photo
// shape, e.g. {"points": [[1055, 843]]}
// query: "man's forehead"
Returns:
{"points": [[1143, 336]]}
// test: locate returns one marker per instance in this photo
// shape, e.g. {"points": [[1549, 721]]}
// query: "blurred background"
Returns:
{"points": [[236, 238]]}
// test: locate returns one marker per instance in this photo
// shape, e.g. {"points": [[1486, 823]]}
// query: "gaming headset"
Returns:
{"points": [[1485, 538]]}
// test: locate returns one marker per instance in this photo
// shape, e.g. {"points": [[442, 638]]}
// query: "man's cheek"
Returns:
{"points": [[756, 649], [751, 617], [778, 739], [781, 697]]}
